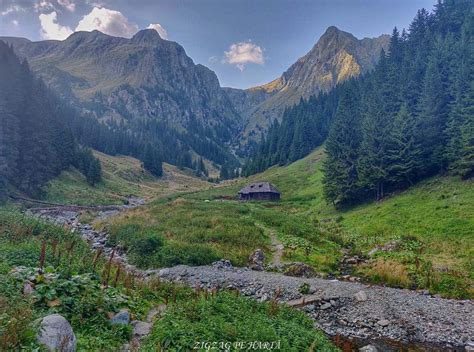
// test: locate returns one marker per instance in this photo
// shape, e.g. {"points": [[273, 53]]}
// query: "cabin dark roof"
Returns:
{"points": [[259, 187]]}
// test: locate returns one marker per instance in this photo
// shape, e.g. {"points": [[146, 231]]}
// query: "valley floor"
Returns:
{"points": [[422, 238], [384, 317]]}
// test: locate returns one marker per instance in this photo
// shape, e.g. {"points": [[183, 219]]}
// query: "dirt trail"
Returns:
{"points": [[276, 246], [277, 250]]}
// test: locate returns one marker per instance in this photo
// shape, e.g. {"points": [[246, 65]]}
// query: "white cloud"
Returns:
{"points": [[68, 5], [240, 54], [51, 29], [15, 23], [107, 21], [161, 31], [11, 9], [44, 6]]}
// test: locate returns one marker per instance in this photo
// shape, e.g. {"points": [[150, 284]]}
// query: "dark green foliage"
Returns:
{"points": [[341, 173], [201, 168], [152, 161], [152, 141], [88, 165], [304, 127], [35, 144], [227, 318], [417, 113]]}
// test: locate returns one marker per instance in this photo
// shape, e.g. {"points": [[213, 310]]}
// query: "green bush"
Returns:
{"points": [[190, 254]]}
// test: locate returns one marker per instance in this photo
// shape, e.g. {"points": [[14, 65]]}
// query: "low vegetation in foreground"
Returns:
{"points": [[67, 278], [429, 228], [226, 321]]}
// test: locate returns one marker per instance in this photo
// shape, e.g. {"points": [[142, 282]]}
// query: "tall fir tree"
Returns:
{"points": [[340, 168]]}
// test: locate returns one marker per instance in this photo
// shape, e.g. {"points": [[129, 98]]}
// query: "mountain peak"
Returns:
{"points": [[334, 33], [147, 36], [332, 30]]}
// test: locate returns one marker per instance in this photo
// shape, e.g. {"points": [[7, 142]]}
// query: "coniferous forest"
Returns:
{"points": [[410, 118], [36, 143]]}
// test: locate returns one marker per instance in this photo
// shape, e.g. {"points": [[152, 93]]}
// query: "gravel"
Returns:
{"points": [[400, 315]]}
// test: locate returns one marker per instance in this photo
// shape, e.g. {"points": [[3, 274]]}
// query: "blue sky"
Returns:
{"points": [[246, 42]]}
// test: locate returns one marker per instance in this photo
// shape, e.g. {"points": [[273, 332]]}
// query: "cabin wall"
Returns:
{"points": [[266, 196]]}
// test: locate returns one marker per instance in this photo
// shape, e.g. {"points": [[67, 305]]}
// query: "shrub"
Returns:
{"points": [[304, 288], [190, 254]]}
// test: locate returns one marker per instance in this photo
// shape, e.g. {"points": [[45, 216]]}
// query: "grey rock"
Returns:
{"points": [[56, 334], [222, 264], [121, 318], [383, 322], [368, 348], [141, 328], [163, 272], [326, 306], [361, 296], [256, 260], [28, 289]]}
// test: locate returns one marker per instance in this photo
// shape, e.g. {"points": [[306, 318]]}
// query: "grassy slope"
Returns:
{"points": [[433, 222], [122, 177]]}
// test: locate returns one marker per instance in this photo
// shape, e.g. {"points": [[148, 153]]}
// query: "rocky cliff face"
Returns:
{"points": [[336, 57], [123, 79]]}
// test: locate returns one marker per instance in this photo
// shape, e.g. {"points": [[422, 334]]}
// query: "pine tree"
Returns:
{"points": [[94, 173], [433, 116], [340, 168], [375, 160], [404, 153]]}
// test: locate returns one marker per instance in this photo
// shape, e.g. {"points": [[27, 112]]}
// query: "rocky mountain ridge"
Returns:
{"points": [[335, 58], [148, 78], [144, 76]]}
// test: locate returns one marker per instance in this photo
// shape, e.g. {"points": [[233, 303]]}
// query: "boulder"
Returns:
{"points": [[299, 270], [256, 260], [368, 348], [383, 322], [222, 264], [56, 334], [361, 296], [121, 318]]}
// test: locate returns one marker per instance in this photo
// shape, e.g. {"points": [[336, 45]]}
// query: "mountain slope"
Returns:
{"points": [[336, 57], [122, 177], [145, 78], [432, 223]]}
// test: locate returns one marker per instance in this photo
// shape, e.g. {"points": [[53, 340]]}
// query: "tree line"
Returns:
{"points": [[410, 118]]}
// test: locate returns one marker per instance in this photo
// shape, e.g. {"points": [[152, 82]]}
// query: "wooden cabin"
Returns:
{"points": [[259, 191]]}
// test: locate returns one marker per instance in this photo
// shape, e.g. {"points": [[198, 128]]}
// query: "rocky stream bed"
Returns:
{"points": [[385, 319]]}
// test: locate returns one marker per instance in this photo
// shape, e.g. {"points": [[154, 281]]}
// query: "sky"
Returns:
{"points": [[246, 42]]}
